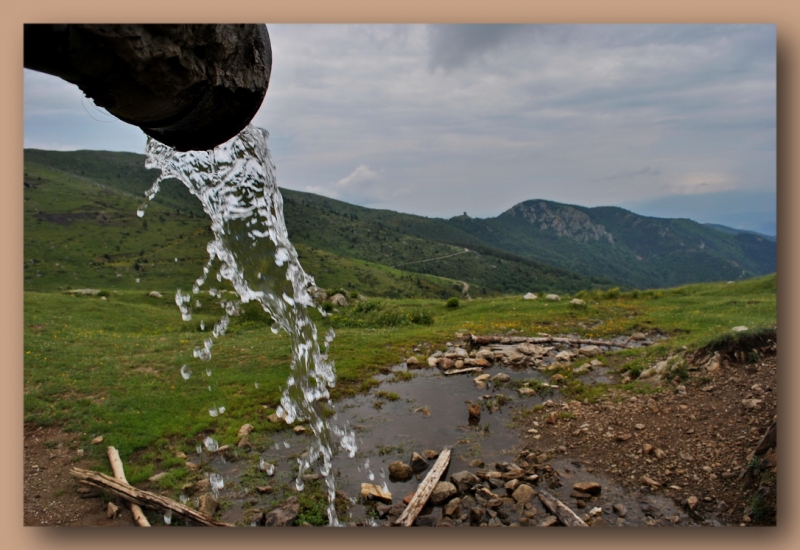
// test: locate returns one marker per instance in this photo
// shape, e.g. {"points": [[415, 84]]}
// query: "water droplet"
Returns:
{"points": [[140, 212], [275, 328], [256, 385], [137, 280], [213, 412], [168, 517], [199, 449], [210, 444], [176, 260], [183, 498], [371, 476], [186, 372], [299, 484], [208, 372], [286, 444]]}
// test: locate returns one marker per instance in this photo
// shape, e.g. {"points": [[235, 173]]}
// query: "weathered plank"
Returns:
{"points": [[425, 489], [560, 510]]}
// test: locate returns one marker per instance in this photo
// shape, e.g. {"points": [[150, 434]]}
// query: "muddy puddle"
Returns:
{"points": [[419, 410]]}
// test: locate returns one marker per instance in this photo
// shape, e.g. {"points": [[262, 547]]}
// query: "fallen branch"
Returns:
{"points": [[424, 490], [119, 473], [560, 510], [142, 498], [484, 340], [462, 371]]}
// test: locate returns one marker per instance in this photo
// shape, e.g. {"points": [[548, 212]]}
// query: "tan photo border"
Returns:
{"points": [[785, 14]]}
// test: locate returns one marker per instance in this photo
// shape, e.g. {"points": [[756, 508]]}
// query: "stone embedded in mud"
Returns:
{"points": [[588, 487], [452, 508], [400, 470], [500, 377], [474, 412], [417, 462], [430, 454], [284, 516], [208, 505], [525, 391]]}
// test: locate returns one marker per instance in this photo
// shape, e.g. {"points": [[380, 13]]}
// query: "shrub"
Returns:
{"points": [[452, 302]]}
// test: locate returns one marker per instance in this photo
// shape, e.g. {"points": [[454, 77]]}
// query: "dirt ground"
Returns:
{"points": [[689, 442]]}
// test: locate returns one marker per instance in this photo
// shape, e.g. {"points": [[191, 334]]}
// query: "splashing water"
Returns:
{"points": [[236, 185]]}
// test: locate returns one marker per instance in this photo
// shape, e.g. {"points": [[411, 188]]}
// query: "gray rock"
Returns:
{"points": [[155, 294], [339, 300], [530, 296], [417, 462], [588, 487], [523, 494], [443, 491], [589, 350], [208, 505], [283, 516], [620, 510], [553, 297], [453, 508]]}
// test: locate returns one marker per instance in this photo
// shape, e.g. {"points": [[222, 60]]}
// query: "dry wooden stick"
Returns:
{"points": [[424, 490], [563, 512], [462, 371], [119, 473], [142, 498]]}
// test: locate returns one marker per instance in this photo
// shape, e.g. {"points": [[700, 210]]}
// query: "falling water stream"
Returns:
{"points": [[236, 185]]}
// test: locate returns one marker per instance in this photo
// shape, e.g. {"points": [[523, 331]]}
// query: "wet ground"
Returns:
{"points": [[426, 412]]}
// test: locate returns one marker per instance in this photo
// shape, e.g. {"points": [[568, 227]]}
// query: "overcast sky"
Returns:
{"points": [[437, 120]]}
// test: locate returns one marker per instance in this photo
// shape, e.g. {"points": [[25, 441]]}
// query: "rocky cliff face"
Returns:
{"points": [[563, 220]]}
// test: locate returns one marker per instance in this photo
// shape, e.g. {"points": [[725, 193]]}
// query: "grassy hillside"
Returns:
{"points": [[81, 230]]}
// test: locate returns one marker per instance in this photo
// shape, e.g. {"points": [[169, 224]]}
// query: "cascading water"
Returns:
{"points": [[236, 185]]}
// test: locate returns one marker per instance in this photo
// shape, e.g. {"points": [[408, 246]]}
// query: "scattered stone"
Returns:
{"points": [[530, 296], [208, 505], [433, 361], [400, 470], [553, 298], [371, 491], [155, 294], [339, 300], [412, 361], [474, 412], [748, 404], [646, 480], [464, 481], [692, 502], [156, 477], [639, 426], [299, 429], [430, 454], [442, 492], [660, 454], [638, 336], [577, 302], [244, 443], [112, 510], [275, 419], [588, 487], [452, 508], [620, 510], [589, 350], [98, 439], [476, 463], [245, 430], [740, 328], [264, 489], [284, 516], [624, 437], [501, 377], [523, 494], [525, 391], [417, 462]]}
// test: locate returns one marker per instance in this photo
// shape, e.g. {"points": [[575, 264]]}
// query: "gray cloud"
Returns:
{"points": [[451, 118]]}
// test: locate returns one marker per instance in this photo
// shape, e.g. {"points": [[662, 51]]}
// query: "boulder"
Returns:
{"points": [[339, 300], [588, 487], [530, 296], [589, 351], [577, 302], [553, 298], [155, 294], [208, 505]]}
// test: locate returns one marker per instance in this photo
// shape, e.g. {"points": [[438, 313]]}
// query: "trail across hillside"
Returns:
{"points": [[436, 258]]}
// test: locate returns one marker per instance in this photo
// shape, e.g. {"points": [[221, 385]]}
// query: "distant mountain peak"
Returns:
{"points": [[562, 219]]}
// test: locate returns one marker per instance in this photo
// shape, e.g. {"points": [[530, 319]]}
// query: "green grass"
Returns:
{"points": [[112, 367]]}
